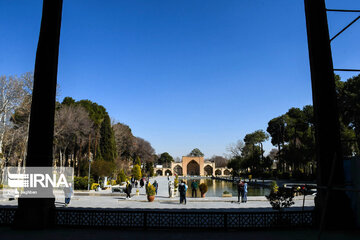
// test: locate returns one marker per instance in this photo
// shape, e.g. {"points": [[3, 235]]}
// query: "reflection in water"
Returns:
{"points": [[216, 188]]}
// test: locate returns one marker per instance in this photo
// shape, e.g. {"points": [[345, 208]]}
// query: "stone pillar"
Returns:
{"points": [[200, 160]]}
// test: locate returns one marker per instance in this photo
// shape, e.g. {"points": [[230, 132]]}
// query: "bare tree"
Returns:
{"points": [[125, 141], [144, 150], [12, 93], [72, 127], [219, 161], [236, 149]]}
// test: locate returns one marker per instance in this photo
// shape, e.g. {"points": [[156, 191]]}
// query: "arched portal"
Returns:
{"points": [[218, 172], [168, 172], [159, 172], [178, 170], [208, 170], [226, 172], [193, 168]]}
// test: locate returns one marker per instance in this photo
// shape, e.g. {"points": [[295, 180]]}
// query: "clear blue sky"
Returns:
{"points": [[182, 74]]}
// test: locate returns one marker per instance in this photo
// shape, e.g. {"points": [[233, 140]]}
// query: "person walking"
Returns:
{"points": [[194, 187], [128, 190], [182, 191], [132, 181], [141, 182], [68, 191], [240, 188], [245, 192], [156, 185]]}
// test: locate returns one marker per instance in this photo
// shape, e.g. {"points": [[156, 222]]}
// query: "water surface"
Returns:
{"points": [[217, 187]]}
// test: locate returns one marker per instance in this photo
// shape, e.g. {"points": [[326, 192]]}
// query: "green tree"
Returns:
{"points": [[236, 164], [122, 176], [165, 159], [257, 137], [254, 155], [136, 172], [97, 114], [349, 103], [68, 101], [107, 140], [102, 168], [138, 161], [196, 153], [149, 168], [276, 129]]}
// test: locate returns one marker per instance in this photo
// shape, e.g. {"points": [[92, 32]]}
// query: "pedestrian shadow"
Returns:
{"points": [[161, 197], [170, 202], [121, 198]]}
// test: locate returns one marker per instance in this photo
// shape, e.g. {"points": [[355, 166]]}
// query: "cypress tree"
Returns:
{"points": [[107, 140]]}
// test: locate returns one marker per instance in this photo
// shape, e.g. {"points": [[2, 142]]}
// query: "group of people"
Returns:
{"points": [[183, 188], [242, 188], [134, 183], [242, 191]]}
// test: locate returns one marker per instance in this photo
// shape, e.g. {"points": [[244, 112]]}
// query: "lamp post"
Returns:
{"points": [[90, 160]]}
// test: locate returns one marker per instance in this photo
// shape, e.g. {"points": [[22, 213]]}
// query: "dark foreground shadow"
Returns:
{"points": [[178, 234]]}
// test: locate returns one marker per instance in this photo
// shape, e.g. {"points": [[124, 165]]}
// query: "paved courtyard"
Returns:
{"points": [[106, 199]]}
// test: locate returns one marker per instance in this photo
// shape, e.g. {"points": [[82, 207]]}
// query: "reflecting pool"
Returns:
{"points": [[217, 187]]}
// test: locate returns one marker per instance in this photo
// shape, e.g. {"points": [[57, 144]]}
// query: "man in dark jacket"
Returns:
{"points": [[194, 187], [182, 192], [156, 185], [128, 190]]}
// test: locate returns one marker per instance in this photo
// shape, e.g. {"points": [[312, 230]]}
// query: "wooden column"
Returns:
{"points": [[38, 213], [332, 207]]}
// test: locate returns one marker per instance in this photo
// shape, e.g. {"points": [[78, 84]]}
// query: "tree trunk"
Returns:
{"points": [[3, 126]]}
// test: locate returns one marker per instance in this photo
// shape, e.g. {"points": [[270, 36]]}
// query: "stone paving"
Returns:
{"points": [[106, 199]]}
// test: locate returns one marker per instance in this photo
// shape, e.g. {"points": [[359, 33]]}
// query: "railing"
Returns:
{"points": [[170, 219]]}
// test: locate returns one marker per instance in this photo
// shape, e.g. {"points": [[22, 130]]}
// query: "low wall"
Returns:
{"points": [[171, 219]]}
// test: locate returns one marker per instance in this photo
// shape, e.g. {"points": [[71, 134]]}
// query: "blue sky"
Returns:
{"points": [[181, 74]]}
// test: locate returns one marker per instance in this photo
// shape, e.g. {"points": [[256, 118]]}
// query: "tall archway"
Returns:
{"points": [[208, 170], [159, 172], [193, 168], [178, 170], [218, 172]]}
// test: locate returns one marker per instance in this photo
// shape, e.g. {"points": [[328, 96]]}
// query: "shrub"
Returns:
{"points": [[150, 190], [281, 199], [176, 182], [136, 172], [111, 182], [81, 183], [203, 188], [94, 186], [226, 192], [274, 187]]}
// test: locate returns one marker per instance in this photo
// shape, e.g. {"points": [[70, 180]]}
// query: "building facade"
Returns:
{"points": [[192, 166]]}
